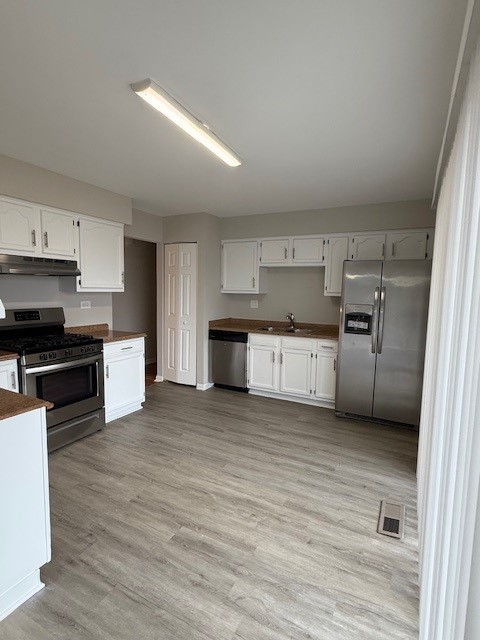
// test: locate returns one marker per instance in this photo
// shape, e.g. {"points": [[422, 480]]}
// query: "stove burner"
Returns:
{"points": [[37, 343]]}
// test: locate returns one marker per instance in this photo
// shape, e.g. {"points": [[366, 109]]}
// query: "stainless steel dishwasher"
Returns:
{"points": [[228, 359]]}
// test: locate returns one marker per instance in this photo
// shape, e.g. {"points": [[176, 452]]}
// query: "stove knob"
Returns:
{"points": [[43, 356], [52, 355]]}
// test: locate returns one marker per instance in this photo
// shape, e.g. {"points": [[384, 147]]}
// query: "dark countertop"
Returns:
{"points": [[102, 331], [317, 331], [12, 404], [8, 355]]}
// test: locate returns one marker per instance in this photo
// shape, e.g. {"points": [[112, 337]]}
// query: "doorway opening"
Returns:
{"points": [[136, 308]]}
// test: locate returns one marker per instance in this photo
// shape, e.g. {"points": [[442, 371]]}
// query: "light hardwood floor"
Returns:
{"points": [[222, 516]]}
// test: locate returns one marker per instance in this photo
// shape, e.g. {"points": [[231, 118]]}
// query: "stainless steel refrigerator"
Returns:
{"points": [[383, 326]]}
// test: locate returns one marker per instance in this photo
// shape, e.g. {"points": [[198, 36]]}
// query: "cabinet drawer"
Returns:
{"points": [[264, 339], [123, 347], [330, 346], [297, 343]]}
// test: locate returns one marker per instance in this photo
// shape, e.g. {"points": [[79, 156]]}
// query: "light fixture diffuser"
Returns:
{"points": [[171, 109]]}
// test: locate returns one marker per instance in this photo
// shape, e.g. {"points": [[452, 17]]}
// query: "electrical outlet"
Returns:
{"points": [[85, 304], [253, 304]]}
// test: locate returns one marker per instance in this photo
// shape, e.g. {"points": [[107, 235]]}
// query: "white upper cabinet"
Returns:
{"points": [[18, 227], [308, 250], [59, 233], [276, 251], [240, 266], [337, 253], [101, 255], [367, 247], [407, 245]]}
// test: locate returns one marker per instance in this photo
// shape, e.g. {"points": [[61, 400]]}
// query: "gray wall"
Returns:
{"points": [[372, 217], [39, 291], [28, 182], [290, 289], [135, 308], [204, 229], [300, 289]]}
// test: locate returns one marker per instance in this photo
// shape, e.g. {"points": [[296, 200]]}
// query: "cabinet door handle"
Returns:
{"points": [[34, 238], [334, 364], [253, 282], [286, 253], [281, 358], [393, 248], [293, 253], [45, 238], [383, 249], [107, 371], [126, 348], [123, 277], [273, 357], [329, 348], [14, 380]]}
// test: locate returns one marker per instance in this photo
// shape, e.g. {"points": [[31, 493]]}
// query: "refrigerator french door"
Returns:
{"points": [[383, 328]]}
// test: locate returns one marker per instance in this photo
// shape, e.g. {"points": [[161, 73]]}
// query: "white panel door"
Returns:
{"points": [[308, 250], [276, 251], [263, 367], [59, 233], [240, 266], [407, 245], [371, 247], [296, 371], [180, 313], [9, 375], [337, 253], [18, 227], [325, 375], [101, 256]]}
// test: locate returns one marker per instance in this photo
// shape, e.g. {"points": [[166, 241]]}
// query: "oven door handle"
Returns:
{"points": [[74, 364]]}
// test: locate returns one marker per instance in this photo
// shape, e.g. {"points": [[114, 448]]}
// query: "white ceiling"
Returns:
{"points": [[328, 102]]}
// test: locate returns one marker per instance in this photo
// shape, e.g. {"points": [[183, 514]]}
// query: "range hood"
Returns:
{"points": [[31, 266]]}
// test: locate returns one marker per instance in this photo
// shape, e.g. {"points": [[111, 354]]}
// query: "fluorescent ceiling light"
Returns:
{"points": [[170, 108]]}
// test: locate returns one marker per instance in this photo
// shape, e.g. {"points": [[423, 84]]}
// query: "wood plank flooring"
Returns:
{"points": [[222, 516]]}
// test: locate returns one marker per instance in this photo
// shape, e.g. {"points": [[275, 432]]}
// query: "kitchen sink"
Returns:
{"points": [[295, 331]]}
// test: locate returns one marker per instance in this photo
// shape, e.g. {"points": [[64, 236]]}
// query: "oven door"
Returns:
{"points": [[75, 388]]}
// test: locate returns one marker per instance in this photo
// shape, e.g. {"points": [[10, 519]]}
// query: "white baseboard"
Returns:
{"points": [[20, 593], [205, 386], [122, 411], [159, 378], [317, 402]]}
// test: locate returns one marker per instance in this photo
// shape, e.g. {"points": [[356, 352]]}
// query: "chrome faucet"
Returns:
{"points": [[291, 317]]}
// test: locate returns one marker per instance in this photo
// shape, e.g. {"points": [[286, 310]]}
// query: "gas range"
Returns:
{"points": [[64, 368], [51, 347]]}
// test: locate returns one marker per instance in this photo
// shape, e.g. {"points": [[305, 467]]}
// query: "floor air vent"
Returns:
{"points": [[392, 519]]}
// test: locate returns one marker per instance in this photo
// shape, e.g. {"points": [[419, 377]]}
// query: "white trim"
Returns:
{"points": [[325, 404], [159, 378], [122, 411], [20, 593], [204, 386], [449, 447]]}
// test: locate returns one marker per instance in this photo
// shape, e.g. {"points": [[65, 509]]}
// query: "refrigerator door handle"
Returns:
{"points": [[375, 319], [381, 320]]}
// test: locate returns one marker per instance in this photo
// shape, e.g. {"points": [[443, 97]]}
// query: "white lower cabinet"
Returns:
{"points": [[25, 515], [124, 364], [296, 371], [297, 368], [325, 370], [263, 367], [9, 375]]}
